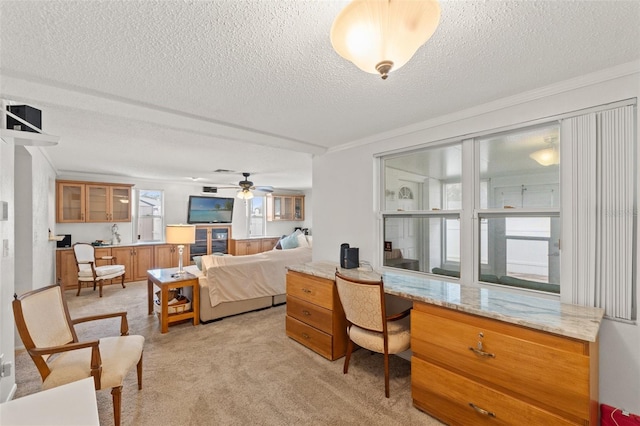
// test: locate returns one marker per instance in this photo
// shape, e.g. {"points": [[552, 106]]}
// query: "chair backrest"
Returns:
{"points": [[84, 252], [42, 319], [363, 302]]}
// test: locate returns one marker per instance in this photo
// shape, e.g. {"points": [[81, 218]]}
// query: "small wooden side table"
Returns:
{"points": [[166, 279]]}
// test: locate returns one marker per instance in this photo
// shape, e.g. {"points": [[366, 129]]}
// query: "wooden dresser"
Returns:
{"points": [[314, 315], [468, 369]]}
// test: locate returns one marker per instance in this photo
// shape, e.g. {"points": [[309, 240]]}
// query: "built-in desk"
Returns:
{"points": [[481, 355]]}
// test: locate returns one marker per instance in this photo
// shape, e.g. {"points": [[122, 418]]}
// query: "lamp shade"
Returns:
{"points": [[181, 234], [379, 36]]}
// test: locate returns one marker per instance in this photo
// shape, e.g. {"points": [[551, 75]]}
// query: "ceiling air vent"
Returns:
{"points": [[210, 189]]}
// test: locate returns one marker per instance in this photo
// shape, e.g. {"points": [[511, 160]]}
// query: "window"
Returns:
{"points": [[422, 210], [150, 215], [257, 216], [503, 192]]}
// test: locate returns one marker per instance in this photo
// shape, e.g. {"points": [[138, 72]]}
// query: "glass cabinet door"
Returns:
{"points": [[120, 199], [97, 203], [70, 202]]}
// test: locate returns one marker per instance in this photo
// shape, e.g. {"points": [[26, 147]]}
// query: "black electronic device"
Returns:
{"points": [[210, 189], [65, 242], [204, 209], [28, 114], [349, 256]]}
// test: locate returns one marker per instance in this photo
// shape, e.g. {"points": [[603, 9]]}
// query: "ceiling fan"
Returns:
{"points": [[246, 186]]}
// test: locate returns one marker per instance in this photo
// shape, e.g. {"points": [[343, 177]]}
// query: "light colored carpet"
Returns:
{"points": [[239, 371]]}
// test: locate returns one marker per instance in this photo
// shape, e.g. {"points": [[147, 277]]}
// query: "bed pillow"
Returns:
{"points": [[290, 242]]}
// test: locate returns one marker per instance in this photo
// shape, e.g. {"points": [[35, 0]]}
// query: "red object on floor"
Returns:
{"points": [[611, 416]]}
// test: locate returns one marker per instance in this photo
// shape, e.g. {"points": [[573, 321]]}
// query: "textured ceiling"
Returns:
{"points": [[172, 89]]}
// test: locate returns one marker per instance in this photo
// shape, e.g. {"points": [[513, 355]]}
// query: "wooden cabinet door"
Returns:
{"points": [[66, 270], [124, 256], [298, 208], [120, 203], [70, 200], [164, 256], [142, 261], [97, 203], [167, 256]]}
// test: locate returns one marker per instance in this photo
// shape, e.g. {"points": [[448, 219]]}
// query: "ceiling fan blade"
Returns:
{"points": [[263, 188]]}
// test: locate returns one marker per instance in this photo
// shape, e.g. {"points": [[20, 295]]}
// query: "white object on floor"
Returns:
{"points": [[66, 405]]}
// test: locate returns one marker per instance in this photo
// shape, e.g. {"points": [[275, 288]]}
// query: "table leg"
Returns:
{"points": [[196, 303], [164, 304], [150, 295]]}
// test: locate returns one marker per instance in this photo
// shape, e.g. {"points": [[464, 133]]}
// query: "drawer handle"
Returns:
{"points": [[305, 312], [481, 352], [306, 290], [481, 410], [306, 336]]}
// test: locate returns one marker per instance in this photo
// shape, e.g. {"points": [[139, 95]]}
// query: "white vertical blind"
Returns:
{"points": [[603, 178]]}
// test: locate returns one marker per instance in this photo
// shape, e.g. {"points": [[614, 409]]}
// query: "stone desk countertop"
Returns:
{"points": [[550, 315]]}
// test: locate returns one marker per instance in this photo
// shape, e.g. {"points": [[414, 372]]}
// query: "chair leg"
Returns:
{"points": [[79, 286], [386, 375], [117, 397], [123, 286], [347, 357], [100, 285], [139, 368]]}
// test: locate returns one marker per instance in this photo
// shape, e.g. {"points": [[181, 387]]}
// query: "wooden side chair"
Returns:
{"points": [[47, 331], [85, 255], [368, 325]]}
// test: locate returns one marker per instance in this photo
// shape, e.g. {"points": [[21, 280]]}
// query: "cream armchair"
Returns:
{"points": [[89, 272], [47, 331]]}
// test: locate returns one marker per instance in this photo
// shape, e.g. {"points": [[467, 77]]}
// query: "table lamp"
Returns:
{"points": [[181, 235]]}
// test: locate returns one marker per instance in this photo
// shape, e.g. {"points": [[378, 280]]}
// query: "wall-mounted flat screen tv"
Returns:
{"points": [[209, 209]]}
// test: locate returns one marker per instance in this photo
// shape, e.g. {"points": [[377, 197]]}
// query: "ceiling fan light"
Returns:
{"points": [[373, 32], [546, 157], [245, 194]]}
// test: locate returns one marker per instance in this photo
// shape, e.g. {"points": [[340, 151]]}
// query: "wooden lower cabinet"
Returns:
{"points": [[315, 317], [467, 369], [248, 246], [137, 260], [167, 256]]}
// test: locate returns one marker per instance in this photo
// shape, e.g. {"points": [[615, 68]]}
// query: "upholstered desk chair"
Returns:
{"points": [[85, 255], [368, 325], [48, 334]]}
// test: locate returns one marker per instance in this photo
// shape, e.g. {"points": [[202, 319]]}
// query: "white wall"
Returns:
{"points": [[349, 216], [7, 268]]}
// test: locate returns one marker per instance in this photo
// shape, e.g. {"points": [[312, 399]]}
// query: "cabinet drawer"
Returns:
{"points": [[310, 337], [535, 366], [318, 291], [448, 396], [311, 314]]}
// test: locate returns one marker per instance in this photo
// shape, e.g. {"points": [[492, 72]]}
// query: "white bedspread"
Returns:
{"points": [[233, 278]]}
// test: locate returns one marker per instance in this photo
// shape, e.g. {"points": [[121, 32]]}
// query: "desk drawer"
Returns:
{"points": [[532, 364], [448, 396], [310, 337], [311, 314], [318, 291]]}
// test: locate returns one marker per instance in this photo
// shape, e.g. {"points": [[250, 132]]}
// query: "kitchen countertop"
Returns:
{"points": [[146, 243], [550, 315]]}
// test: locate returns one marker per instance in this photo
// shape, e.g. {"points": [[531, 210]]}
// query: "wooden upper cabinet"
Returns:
{"points": [[93, 202], [285, 207], [70, 202]]}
